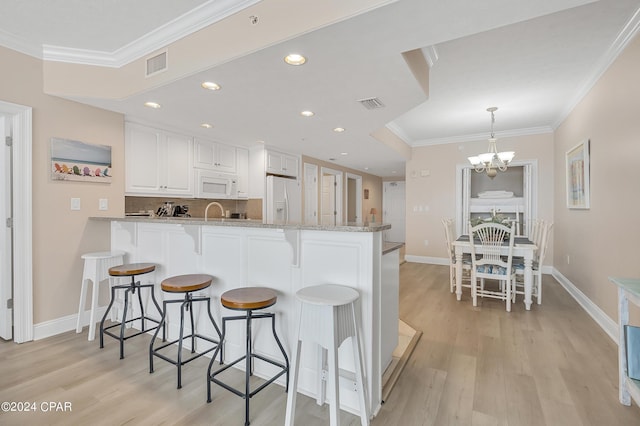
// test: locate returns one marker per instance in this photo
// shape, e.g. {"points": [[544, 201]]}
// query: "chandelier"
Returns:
{"points": [[492, 161]]}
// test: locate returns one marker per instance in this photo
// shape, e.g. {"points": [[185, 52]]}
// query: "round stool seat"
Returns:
{"points": [[248, 298], [186, 283], [328, 295], [132, 269], [102, 255]]}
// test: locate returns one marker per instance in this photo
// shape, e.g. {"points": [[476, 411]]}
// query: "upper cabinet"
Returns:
{"points": [[242, 157], [282, 164], [157, 162], [214, 156]]}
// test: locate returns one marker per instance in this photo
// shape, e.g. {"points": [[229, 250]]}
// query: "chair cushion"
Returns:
{"points": [[492, 269]]}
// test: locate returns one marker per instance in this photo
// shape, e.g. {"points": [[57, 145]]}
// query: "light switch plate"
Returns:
{"points": [[103, 204], [75, 204]]}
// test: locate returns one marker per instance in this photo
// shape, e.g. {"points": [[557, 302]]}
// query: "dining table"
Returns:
{"points": [[522, 247]]}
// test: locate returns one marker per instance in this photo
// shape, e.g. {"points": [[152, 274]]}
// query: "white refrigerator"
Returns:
{"points": [[284, 200]]}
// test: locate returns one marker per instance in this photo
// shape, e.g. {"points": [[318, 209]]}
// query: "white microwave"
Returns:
{"points": [[215, 185]]}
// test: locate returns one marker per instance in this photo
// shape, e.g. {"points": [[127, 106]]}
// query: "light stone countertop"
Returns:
{"points": [[249, 223]]}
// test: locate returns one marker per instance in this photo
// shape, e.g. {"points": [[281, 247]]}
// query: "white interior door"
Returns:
{"points": [[393, 209], [310, 194], [6, 284], [354, 198], [328, 200], [332, 194]]}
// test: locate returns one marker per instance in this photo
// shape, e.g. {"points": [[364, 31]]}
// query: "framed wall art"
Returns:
{"points": [[578, 188], [79, 161]]}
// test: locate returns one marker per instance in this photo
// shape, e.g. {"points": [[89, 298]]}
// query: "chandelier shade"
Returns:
{"points": [[492, 160]]}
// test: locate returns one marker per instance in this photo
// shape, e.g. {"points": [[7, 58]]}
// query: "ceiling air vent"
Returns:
{"points": [[371, 103], [156, 64]]}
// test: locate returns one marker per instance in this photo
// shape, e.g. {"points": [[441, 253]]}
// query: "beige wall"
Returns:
{"points": [[60, 235], [436, 193], [603, 241], [370, 182]]}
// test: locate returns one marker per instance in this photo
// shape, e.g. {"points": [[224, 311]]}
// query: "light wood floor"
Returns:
{"points": [[473, 366]]}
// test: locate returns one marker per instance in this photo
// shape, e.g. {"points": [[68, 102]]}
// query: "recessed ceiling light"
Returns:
{"points": [[295, 59], [339, 129], [344, 153], [210, 85], [154, 105], [366, 168], [206, 125], [307, 113]]}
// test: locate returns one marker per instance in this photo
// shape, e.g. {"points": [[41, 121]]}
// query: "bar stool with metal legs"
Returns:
{"points": [[187, 285], [129, 270], [248, 299], [327, 318]]}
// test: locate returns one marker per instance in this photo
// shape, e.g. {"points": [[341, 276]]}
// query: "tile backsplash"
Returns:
{"points": [[251, 208]]}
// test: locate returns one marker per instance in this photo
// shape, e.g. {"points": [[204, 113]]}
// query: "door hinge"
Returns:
{"points": [[9, 303], [8, 140], [9, 222]]}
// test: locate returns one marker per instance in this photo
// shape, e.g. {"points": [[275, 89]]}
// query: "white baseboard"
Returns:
{"points": [[50, 328], [602, 319], [426, 259]]}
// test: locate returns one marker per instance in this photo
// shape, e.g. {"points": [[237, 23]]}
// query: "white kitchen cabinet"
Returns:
{"points": [[157, 162], [282, 164], [214, 156], [242, 170]]}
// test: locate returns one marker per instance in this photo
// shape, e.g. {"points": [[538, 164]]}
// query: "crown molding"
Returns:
{"points": [[196, 19], [399, 132], [628, 32], [19, 44], [481, 136], [430, 54]]}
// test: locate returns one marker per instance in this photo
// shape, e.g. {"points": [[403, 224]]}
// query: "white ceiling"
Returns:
{"points": [[531, 59]]}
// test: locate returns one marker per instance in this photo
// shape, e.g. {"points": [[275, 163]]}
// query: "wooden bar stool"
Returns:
{"points": [[248, 299], [184, 284], [96, 270], [129, 270], [327, 318]]}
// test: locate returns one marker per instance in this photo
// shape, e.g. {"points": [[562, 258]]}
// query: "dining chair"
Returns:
{"points": [[489, 261], [542, 243], [450, 235]]}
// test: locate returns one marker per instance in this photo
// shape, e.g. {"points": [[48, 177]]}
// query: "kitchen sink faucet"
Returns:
{"points": [[213, 203]]}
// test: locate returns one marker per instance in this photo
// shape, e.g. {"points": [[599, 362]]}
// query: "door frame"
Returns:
{"points": [[20, 117]]}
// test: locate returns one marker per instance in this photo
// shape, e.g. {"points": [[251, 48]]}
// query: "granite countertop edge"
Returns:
{"points": [[248, 223]]}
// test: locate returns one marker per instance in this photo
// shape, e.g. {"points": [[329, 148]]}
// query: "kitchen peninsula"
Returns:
{"points": [[285, 257]]}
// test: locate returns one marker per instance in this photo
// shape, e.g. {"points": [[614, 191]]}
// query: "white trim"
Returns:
{"points": [[430, 55], [599, 316], [483, 136], [67, 323], [21, 127], [196, 19], [617, 47], [399, 132], [20, 44], [426, 259]]}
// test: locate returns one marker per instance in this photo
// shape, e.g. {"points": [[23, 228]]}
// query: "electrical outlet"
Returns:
{"points": [[75, 204], [103, 204]]}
